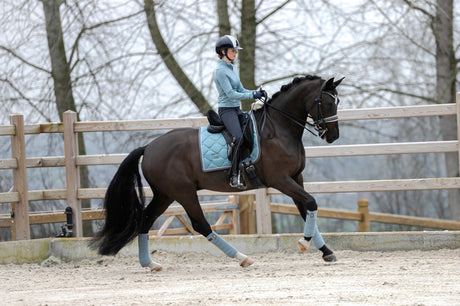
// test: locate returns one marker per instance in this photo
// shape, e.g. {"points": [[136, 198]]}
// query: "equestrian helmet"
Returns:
{"points": [[227, 42]]}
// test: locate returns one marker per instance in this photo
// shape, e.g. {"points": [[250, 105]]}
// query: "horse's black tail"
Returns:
{"points": [[123, 207]]}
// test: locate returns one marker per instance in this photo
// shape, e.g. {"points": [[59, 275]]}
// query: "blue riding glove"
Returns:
{"points": [[257, 94]]}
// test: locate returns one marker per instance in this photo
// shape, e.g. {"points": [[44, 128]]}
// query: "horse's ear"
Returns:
{"points": [[337, 83], [330, 84]]}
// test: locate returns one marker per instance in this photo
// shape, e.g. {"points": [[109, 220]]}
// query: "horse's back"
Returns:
{"points": [[174, 152]]}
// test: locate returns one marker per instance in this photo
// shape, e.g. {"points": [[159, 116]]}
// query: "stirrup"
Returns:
{"points": [[235, 181]]}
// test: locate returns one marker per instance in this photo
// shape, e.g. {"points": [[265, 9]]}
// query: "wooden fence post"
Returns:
{"points": [[247, 216], [21, 226], [363, 208], [458, 125], [72, 173], [234, 217], [263, 212]]}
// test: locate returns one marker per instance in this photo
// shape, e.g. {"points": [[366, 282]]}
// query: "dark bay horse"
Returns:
{"points": [[171, 165]]}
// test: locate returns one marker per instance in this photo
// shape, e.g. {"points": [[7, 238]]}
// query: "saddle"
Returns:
{"points": [[247, 149], [217, 126]]}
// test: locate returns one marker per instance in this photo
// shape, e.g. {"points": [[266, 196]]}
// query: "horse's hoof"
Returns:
{"points": [[246, 262], [330, 258], [303, 245], [154, 267]]}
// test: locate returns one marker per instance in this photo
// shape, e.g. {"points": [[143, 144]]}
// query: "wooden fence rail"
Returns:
{"points": [[20, 197], [364, 217]]}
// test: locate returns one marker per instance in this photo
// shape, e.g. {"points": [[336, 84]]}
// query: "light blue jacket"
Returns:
{"points": [[229, 86]]}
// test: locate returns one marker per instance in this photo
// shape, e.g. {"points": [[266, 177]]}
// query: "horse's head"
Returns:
{"points": [[308, 101], [324, 111]]}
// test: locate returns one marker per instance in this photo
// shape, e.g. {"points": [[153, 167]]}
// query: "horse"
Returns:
{"points": [[171, 166]]}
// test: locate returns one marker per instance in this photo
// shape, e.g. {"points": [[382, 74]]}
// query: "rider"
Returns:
{"points": [[231, 92]]}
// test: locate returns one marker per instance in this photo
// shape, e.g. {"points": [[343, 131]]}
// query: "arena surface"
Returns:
{"points": [[276, 278]]}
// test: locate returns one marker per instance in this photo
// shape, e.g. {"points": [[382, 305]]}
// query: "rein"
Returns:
{"points": [[319, 125]]}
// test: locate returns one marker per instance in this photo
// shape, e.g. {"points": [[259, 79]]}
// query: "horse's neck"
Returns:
{"points": [[294, 107]]}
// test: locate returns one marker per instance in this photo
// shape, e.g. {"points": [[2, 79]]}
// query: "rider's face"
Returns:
{"points": [[231, 53]]}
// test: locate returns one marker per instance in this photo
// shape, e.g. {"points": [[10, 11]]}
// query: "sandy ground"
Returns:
{"points": [[367, 278]]}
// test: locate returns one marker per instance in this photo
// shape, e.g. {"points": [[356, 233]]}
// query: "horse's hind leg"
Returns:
{"points": [[199, 224], [155, 208]]}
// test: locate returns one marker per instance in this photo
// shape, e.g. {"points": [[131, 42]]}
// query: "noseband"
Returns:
{"points": [[320, 124]]}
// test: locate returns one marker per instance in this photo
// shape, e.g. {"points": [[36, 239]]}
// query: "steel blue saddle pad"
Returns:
{"points": [[213, 149]]}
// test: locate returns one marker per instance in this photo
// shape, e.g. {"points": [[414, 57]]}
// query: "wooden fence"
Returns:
{"points": [[20, 219]]}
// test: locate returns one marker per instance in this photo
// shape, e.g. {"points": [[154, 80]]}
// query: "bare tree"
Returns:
{"points": [[192, 92], [60, 70], [69, 69], [246, 35], [437, 18], [446, 75]]}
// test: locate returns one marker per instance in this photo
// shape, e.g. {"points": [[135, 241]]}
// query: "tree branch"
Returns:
{"points": [[29, 101], [273, 12], [168, 58], [418, 8], [23, 60], [384, 14], [95, 26]]}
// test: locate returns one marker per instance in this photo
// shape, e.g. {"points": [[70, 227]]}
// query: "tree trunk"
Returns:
{"points": [[248, 42], [59, 66], [62, 83], [193, 93], [224, 20], [445, 89]]}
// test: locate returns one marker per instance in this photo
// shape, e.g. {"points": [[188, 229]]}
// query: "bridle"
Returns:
{"points": [[320, 124]]}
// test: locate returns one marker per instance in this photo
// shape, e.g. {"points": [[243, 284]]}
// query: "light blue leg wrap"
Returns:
{"points": [[223, 245], [310, 224], [317, 239], [143, 242]]}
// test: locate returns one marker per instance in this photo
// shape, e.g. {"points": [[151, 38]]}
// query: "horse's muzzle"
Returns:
{"points": [[330, 135]]}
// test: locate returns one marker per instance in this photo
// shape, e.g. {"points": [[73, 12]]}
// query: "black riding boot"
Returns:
{"points": [[235, 177]]}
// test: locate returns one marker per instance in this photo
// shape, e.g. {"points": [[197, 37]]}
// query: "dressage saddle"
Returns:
{"points": [[217, 126]]}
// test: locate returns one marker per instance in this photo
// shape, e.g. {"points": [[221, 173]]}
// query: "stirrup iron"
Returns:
{"points": [[238, 184]]}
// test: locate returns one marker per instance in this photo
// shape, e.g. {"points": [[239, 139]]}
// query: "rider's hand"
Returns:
{"points": [[257, 94]]}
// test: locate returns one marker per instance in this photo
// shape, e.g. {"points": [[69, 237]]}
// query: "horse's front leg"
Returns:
{"points": [[308, 209]]}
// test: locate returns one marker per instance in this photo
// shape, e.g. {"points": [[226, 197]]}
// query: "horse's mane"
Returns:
{"points": [[295, 81]]}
